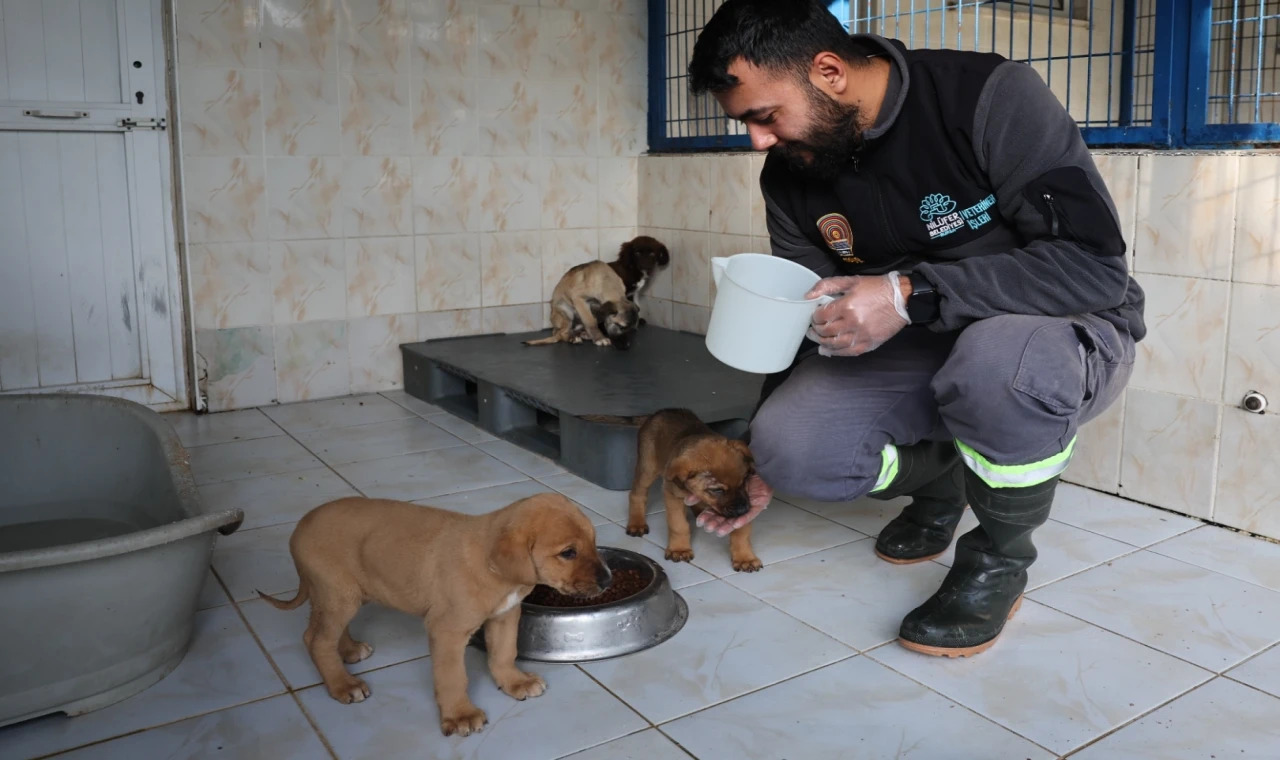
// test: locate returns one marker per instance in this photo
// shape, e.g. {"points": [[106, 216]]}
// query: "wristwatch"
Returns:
{"points": [[922, 304]]}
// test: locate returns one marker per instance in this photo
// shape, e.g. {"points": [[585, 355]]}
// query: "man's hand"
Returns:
{"points": [[871, 311], [760, 495]]}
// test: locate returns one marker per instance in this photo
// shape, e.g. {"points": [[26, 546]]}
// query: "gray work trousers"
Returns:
{"points": [[1012, 388]]}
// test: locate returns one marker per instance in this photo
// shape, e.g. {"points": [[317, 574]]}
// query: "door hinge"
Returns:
{"points": [[152, 124]]}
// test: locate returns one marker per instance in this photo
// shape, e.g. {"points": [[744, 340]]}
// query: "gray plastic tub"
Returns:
{"points": [[104, 546]]}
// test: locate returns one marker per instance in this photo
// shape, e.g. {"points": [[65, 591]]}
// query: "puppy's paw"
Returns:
{"points": [[463, 722], [638, 530], [604, 342], [349, 690], [748, 565], [357, 651], [575, 340], [679, 555], [524, 686]]}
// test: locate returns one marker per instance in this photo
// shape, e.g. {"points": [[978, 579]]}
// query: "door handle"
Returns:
{"points": [[42, 114]]}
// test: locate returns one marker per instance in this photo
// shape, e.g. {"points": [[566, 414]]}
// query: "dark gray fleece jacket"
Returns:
{"points": [[975, 176]]}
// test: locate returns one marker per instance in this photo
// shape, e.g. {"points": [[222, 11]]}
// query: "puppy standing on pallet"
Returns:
{"points": [[457, 572], [700, 469], [591, 298]]}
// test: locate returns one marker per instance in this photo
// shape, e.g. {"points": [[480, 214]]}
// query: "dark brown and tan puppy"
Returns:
{"points": [[571, 302], [457, 572], [637, 260], [700, 469]]}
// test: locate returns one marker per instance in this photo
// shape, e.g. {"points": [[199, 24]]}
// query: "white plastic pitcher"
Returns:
{"points": [[760, 315]]}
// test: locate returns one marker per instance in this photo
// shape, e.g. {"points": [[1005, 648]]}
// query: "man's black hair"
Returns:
{"points": [[776, 35]]}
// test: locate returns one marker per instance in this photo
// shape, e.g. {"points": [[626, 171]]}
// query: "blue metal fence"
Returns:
{"points": [[1158, 73]]}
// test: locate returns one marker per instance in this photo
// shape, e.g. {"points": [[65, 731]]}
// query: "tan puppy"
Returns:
{"points": [[611, 322], [700, 469], [458, 572]]}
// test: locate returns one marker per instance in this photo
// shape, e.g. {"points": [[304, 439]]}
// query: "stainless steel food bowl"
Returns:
{"points": [[603, 631]]}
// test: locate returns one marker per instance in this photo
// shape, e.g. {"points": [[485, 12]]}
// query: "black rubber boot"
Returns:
{"points": [[930, 473], [984, 587]]}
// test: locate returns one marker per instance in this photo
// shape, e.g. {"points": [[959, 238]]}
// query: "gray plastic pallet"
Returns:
{"points": [[576, 404]]}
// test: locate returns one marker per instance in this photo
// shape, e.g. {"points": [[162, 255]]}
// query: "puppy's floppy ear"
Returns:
{"points": [[664, 257], [512, 554], [627, 252], [742, 448]]}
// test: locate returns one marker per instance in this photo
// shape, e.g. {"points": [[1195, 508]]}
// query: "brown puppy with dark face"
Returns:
{"points": [[700, 469], [637, 260], [457, 572], [574, 318]]}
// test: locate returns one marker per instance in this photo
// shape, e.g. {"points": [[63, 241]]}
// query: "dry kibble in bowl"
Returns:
{"points": [[626, 583]]}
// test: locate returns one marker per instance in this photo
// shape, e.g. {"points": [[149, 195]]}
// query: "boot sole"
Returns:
{"points": [[953, 652], [912, 561]]}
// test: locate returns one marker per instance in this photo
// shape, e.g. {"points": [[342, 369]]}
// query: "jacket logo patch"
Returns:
{"points": [[836, 231], [938, 212]]}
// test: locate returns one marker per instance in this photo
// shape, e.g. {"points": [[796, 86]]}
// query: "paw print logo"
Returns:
{"points": [[935, 205]]}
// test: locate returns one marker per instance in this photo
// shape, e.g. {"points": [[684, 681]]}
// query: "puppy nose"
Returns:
{"points": [[738, 508], [604, 576]]}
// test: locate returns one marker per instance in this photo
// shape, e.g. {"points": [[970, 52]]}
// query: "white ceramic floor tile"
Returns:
{"points": [[522, 459], [277, 499], [846, 592], [434, 473], [853, 710], [377, 440], [1117, 518], [401, 719], [646, 745], [461, 428], [681, 574], [223, 667], [211, 594], [415, 405], [252, 560], [249, 459], [273, 729], [779, 533], [482, 500], [1224, 551], [337, 412], [1062, 550], [1200, 616], [224, 427], [611, 504], [1058, 681], [731, 644], [866, 516], [394, 636], [1262, 672], [1221, 719]]}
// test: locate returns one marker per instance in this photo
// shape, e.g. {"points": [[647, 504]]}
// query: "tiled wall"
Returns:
{"points": [[362, 173], [1204, 232]]}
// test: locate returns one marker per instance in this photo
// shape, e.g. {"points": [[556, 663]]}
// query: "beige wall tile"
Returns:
{"points": [[570, 193], [1248, 479], [448, 270], [237, 367], [446, 194], [1257, 238], [308, 280], [374, 36], [226, 199], [377, 119], [510, 268], [232, 284], [730, 195], [219, 33], [1170, 451], [304, 197], [1185, 219], [300, 35], [562, 249], [1184, 348], [374, 348], [312, 361], [1096, 460], [445, 38], [1120, 173], [1253, 344], [302, 115], [448, 324], [378, 196], [380, 276], [445, 116], [222, 112]]}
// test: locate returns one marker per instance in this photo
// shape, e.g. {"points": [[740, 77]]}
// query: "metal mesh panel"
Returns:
{"points": [[1243, 62], [687, 115]]}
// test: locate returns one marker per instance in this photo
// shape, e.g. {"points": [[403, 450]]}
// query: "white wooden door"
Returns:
{"points": [[90, 296]]}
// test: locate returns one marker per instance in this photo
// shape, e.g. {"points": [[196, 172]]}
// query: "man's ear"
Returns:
{"points": [[512, 555]]}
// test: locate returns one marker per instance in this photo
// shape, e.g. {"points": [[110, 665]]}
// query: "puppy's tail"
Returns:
{"points": [[303, 595], [543, 341]]}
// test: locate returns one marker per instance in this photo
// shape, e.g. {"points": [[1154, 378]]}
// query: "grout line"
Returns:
{"points": [[324, 740], [1137, 718], [1203, 520]]}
